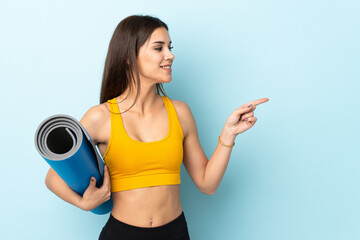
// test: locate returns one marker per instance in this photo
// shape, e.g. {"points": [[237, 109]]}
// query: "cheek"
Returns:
{"points": [[149, 63], [148, 68]]}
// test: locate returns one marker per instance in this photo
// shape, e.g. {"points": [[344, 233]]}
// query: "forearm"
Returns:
{"points": [[217, 164], [58, 186]]}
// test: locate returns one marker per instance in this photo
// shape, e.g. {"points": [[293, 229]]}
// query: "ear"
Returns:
{"points": [[127, 59]]}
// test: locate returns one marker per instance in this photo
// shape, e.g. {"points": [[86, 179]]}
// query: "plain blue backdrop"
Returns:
{"points": [[294, 175]]}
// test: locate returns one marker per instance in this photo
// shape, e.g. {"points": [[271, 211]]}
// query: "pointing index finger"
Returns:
{"points": [[258, 101]]}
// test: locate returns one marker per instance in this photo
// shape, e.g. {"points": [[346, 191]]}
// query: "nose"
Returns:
{"points": [[169, 56]]}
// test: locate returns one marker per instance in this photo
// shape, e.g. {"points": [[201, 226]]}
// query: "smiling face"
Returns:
{"points": [[155, 58]]}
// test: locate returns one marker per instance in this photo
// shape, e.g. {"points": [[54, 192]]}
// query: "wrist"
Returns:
{"points": [[81, 203], [227, 137]]}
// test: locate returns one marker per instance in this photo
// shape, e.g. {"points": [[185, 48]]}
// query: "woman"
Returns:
{"points": [[144, 137]]}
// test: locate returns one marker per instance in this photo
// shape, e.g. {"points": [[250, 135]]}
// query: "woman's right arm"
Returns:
{"points": [[58, 186], [93, 122], [92, 197]]}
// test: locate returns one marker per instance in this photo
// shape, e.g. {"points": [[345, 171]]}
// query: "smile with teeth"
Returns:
{"points": [[168, 67]]}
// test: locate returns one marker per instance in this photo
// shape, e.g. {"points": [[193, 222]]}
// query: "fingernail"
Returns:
{"points": [[250, 106], [92, 179]]}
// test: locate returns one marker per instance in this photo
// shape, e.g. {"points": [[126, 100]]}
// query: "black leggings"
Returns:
{"points": [[118, 230]]}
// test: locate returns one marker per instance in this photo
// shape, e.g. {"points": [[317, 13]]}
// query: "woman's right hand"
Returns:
{"points": [[94, 196]]}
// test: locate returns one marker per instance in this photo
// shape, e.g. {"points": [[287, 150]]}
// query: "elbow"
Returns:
{"points": [[211, 193], [206, 189], [48, 181], [47, 184], [208, 192]]}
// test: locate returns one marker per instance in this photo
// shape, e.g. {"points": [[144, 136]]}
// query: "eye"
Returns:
{"points": [[160, 48]]}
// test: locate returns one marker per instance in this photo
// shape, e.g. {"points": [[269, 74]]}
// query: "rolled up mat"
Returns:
{"points": [[67, 147]]}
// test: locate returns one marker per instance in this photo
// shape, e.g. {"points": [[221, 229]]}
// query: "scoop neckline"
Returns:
{"points": [[158, 141]]}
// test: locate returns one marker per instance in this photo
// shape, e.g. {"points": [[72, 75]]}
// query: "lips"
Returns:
{"points": [[166, 68]]}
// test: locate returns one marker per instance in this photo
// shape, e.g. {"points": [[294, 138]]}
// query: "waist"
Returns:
{"points": [[147, 207], [140, 181]]}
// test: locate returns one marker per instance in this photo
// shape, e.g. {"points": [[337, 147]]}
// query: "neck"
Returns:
{"points": [[145, 103]]}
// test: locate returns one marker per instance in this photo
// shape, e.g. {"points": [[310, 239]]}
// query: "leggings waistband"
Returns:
{"points": [[180, 218]]}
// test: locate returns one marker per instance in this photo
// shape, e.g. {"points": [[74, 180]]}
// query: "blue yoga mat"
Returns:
{"points": [[67, 147]]}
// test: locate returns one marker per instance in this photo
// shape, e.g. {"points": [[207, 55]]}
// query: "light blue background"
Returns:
{"points": [[294, 175]]}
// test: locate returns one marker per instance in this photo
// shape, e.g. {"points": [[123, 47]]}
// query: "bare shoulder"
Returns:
{"points": [[96, 121], [179, 104], [185, 115]]}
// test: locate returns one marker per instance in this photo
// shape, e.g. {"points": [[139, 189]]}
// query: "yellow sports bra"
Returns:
{"points": [[133, 164]]}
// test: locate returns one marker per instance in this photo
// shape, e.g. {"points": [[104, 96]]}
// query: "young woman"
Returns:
{"points": [[144, 137]]}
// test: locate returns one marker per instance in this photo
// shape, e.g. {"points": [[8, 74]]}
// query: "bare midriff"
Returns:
{"points": [[147, 207]]}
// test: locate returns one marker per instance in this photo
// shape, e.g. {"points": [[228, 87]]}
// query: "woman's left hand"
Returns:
{"points": [[243, 118]]}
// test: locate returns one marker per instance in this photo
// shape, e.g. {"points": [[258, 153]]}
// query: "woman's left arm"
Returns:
{"points": [[207, 174]]}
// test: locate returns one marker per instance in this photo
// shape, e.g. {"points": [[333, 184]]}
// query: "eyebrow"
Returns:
{"points": [[161, 42]]}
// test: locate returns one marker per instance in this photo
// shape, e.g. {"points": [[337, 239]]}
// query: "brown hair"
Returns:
{"points": [[120, 64]]}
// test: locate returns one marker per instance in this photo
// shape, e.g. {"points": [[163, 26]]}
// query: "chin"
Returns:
{"points": [[167, 80]]}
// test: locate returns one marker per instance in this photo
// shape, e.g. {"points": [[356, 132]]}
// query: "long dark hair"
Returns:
{"points": [[120, 64]]}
